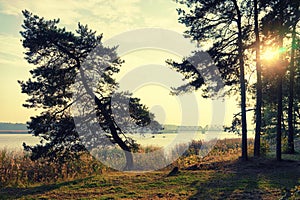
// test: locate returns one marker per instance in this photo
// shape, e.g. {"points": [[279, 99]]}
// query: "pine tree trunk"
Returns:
{"points": [[115, 131], [279, 117], [280, 74], [113, 127], [258, 85], [291, 148], [242, 82]]}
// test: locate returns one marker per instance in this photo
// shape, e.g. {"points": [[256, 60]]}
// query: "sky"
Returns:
{"points": [[112, 18]]}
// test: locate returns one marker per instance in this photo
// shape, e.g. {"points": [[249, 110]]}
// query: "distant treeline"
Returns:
{"points": [[12, 127]]}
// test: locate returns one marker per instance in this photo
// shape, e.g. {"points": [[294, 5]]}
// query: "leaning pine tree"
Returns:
{"points": [[58, 56]]}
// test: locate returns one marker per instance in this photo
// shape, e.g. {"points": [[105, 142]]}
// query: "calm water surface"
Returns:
{"points": [[15, 141]]}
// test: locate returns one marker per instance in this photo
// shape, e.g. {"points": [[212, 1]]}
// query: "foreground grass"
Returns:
{"points": [[254, 179], [219, 175]]}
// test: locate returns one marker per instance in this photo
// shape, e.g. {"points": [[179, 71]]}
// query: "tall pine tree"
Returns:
{"points": [[224, 22]]}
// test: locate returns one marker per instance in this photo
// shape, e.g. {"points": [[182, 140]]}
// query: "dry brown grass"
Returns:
{"points": [[220, 151], [17, 169], [218, 175]]}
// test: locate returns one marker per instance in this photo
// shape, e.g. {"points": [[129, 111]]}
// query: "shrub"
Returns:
{"points": [[264, 147]]}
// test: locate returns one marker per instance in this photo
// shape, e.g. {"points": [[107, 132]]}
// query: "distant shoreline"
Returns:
{"points": [[14, 132]]}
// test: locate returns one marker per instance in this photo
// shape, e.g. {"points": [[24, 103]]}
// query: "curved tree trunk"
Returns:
{"points": [[115, 130]]}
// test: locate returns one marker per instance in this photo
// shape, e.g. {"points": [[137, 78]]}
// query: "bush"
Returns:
{"points": [[264, 147]]}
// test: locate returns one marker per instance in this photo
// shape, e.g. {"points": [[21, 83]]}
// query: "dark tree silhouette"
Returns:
{"points": [[294, 47], [224, 23], [258, 117], [58, 56], [283, 15], [291, 132]]}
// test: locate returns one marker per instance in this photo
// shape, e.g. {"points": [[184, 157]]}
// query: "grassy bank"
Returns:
{"points": [[219, 175], [236, 180]]}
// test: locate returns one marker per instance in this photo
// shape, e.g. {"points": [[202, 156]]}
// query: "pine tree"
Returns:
{"points": [[282, 16], [59, 57], [224, 23]]}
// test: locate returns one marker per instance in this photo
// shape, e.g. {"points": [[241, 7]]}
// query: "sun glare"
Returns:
{"points": [[269, 54]]}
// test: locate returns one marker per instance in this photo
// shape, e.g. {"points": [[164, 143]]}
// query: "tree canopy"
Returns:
{"points": [[63, 59]]}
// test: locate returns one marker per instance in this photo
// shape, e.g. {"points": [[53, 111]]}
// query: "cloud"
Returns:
{"points": [[108, 17], [95, 12], [11, 50]]}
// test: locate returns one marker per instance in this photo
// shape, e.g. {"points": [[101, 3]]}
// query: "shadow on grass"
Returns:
{"points": [[14, 193], [253, 179]]}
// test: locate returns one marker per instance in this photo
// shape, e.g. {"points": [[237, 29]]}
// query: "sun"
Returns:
{"points": [[270, 54]]}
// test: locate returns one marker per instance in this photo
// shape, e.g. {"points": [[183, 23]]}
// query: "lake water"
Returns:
{"points": [[15, 141]]}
